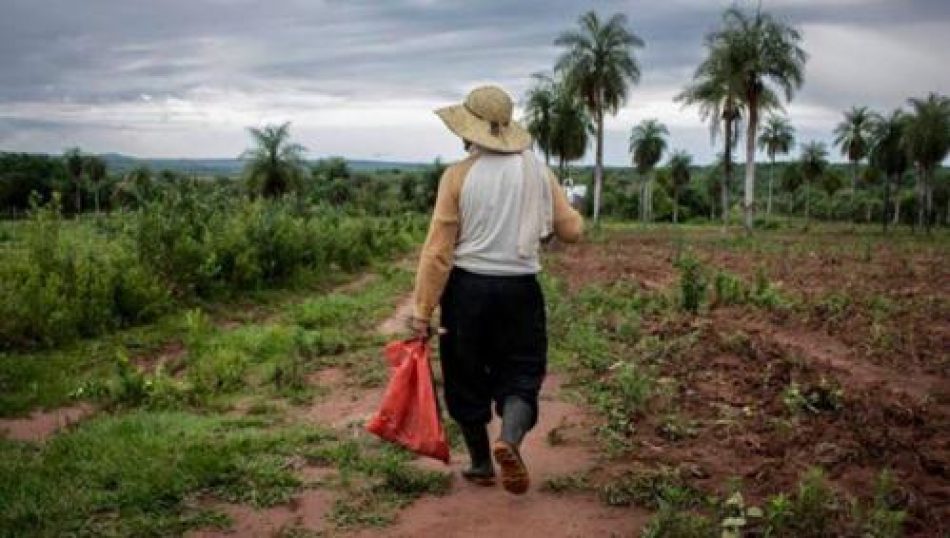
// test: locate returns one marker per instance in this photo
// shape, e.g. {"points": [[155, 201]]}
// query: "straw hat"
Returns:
{"points": [[485, 119]]}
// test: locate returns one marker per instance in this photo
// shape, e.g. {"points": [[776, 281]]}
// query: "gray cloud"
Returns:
{"points": [[176, 71]]}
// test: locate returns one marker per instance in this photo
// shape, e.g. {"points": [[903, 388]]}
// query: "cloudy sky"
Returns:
{"points": [[359, 78]]}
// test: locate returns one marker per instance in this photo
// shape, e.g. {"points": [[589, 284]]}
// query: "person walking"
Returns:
{"points": [[480, 263]]}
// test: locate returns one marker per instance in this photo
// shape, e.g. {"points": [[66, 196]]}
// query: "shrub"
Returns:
{"points": [[811, 512], [60, 281], [634, 386], [218, 371], [692, 284], [729, 289], [58, 286]]}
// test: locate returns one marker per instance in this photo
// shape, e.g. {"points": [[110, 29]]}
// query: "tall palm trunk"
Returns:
{"points": [[748, 206], [920, 196], [599, 164], [807, 203], [854, 184], [676, 204], [768, 206], [929, 188], [727, 171], [887, 195], [650, 197], [78, 199], [897, 207], [644, 198]]}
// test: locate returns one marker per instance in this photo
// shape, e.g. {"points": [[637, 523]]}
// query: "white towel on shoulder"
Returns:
{"points": [[537, 206]]}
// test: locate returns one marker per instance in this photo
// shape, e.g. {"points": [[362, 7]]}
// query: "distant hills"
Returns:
{"points": [[118, 163]]}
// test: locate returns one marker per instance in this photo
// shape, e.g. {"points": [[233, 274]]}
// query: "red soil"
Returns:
{"points": [[40, 425], [895, 403], [470, 510]]}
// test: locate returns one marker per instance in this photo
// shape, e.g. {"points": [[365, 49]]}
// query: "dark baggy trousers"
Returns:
{"points": [[495, 344]]}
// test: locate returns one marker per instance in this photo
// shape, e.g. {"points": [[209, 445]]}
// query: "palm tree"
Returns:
{"points": [[276, 165], [853, 135], [777, 138], [96, 170], [597, 65], [814, 162], [764, 53], [647, 144], [539, 109], [680, 163], [74, 166], [927, 141], [718, 93], [570, 127], [888, 154]]}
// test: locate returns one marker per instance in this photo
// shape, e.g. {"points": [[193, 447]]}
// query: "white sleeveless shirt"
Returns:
{"points": [[490, 212]]}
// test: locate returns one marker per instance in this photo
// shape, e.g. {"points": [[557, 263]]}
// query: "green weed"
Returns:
{"points": [[692, 284], [567, 483], [883, 517], [810, 513], [650, 489], [672, 523], [676, 427], [729, 289], [825, 396]]}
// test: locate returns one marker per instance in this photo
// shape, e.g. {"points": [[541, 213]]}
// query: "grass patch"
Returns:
{"points": [[650, 488], [568, 483], [377, 480], [112, 474]]}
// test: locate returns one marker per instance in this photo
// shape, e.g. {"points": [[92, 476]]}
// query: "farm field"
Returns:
{"points": [[210, 225], [813, 368], [806, 372]]}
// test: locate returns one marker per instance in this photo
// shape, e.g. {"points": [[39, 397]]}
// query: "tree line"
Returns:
{"points": [[273, 168], [753, 64]]}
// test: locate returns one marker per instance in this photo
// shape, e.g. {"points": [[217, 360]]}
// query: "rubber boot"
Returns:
{"points": [[517, 419], [481, 471]]}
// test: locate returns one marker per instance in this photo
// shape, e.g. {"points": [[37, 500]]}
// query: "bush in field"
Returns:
{"points": [[729, 289], [58, 286], [692, 284], [203, 243], [60, 280]]}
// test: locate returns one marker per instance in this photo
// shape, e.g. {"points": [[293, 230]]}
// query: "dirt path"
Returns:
{"points": [[469, 510], [40, 425]]}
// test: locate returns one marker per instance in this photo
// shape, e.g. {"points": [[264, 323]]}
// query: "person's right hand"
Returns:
{"points": [[420, 328]]}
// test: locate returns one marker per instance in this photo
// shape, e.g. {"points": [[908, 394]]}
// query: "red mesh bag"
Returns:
{"points": [[409, 413]]}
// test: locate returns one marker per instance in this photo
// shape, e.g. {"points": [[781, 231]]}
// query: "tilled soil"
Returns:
{"points": [[891, 412]]}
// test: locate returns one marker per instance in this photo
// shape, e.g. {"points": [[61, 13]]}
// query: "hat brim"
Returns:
{"points": [[510, 138]]}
